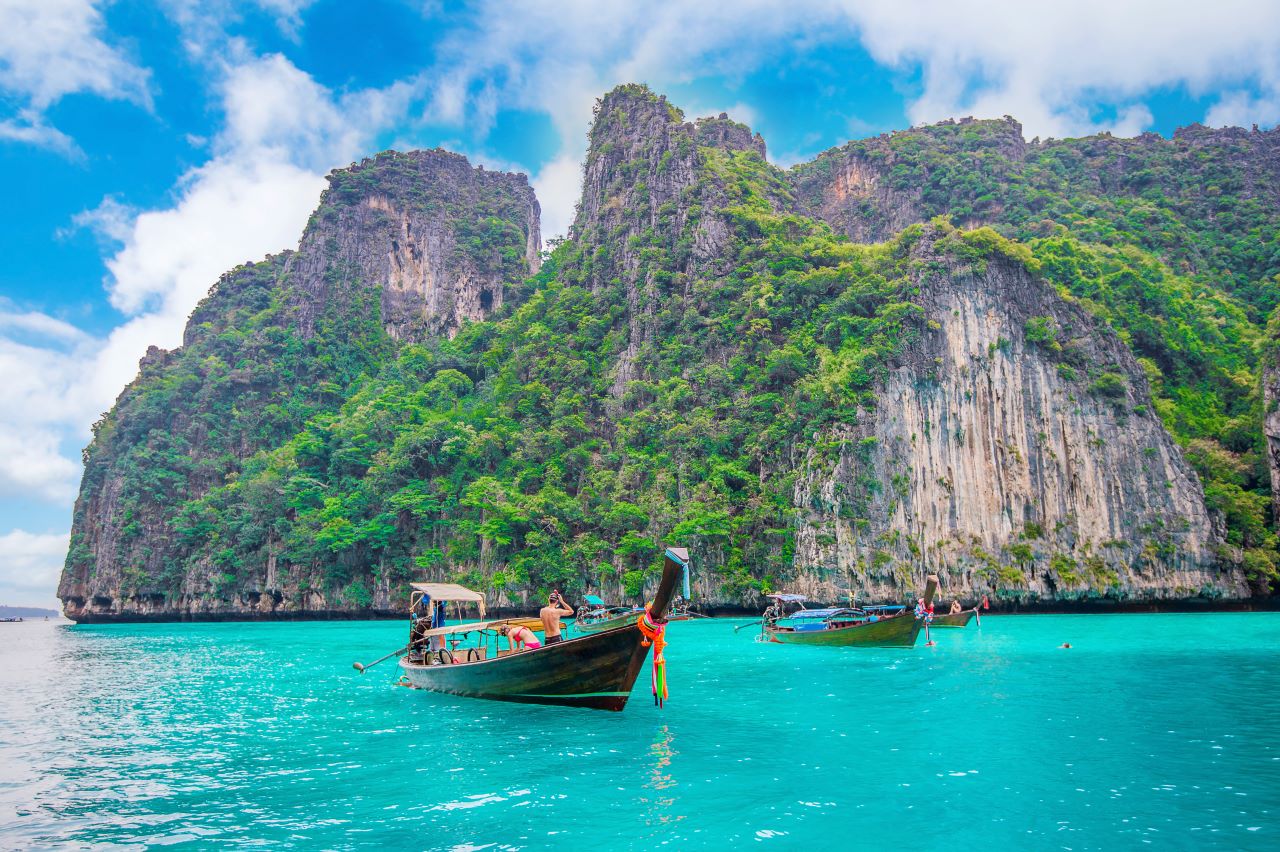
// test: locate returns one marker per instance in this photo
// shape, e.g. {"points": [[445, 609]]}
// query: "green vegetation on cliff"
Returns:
{"points": [[671, 369], [1174, 243]]}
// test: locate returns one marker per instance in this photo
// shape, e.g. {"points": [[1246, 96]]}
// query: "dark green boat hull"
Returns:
{"points": [[898, 632], [959, 619]]}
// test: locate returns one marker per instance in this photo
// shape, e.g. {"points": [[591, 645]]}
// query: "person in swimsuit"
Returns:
{"points": [[521, 636], [551, 614], [955, 606]]}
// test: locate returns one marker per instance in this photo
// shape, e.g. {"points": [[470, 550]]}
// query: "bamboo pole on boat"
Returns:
{"points": [[362, 668]]}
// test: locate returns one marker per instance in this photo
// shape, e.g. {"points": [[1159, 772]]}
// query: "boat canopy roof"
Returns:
{"points": [[785, 598], [447, 592], [593, 600], [884, 608]]}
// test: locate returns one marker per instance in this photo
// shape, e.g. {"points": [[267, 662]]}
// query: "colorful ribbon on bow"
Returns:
{"points": [[655, 634]]}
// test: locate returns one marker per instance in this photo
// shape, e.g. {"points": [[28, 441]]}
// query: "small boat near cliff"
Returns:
{"points": [[954, 619], [595, 671], [869, 626], [595, 616]]}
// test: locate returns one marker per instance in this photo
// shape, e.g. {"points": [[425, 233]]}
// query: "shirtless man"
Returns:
{"points": [[551, 614]]}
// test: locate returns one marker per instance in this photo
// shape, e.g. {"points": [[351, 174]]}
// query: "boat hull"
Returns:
{"points": [[958, 619], [595, 671], [888, 632]]}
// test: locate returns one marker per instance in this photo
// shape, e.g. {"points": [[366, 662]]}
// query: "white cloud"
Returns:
{"points": [[231, 210], [1060, 68], [283, 132], [43, 367], [29, 567], [558, 185], [1051, 64], [1241, 109], [53, 48], [30, 128]]}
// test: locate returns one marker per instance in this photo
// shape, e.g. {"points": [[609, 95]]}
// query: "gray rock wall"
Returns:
{"points": [[442, 241], [987, 462]]}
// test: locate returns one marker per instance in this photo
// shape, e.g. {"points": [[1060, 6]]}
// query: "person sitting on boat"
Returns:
{"points": [[437, 620], [519, 636], [955, 607], [551, 614], [419, 623]]}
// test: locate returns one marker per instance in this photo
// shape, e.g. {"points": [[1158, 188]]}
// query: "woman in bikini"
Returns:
{"points": [[522, 636]]}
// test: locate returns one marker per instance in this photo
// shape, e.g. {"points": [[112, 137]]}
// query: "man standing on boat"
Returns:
{"points": [[551, 614]]}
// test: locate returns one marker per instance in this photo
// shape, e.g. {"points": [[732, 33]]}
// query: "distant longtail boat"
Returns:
{"points": [[872, 626], [954, 619], [595, 616]]}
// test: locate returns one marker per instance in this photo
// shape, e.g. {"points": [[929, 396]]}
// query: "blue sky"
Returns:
{"points": [[148, 147]]}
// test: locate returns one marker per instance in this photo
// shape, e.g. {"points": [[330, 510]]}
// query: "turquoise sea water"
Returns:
{"points": [[1152, 729]]}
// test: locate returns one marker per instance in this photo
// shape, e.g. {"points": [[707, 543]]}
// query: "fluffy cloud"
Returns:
{"points": [[30, 568], [1062, 69], [54, 48], [1052, 65], [41, 366], [283, 131]]}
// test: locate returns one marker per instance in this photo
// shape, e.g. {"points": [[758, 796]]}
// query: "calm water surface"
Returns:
{"points": [[1152, 729]]}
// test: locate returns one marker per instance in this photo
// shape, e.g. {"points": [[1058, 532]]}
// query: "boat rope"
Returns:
{"points": [[655, 633]]}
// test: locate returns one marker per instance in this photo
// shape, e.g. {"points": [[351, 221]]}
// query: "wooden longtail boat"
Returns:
{"points": [[954, 619], [600, 618], [596, 671], [870, 626]]}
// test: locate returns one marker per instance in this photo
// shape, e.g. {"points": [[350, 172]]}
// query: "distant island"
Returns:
{"points": [[1046, 371], [28, 612]]}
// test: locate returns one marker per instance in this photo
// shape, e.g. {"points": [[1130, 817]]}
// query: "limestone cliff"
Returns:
{"points": [[1018, 469], [403, 247], [785, 372], [644, 192], [441, 240]]}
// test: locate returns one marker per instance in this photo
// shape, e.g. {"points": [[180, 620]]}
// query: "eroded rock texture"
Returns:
{"points": [[440, 239], [1012, 447], [403, 247], [991, 462]]}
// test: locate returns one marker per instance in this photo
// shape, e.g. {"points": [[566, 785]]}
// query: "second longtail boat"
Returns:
{"points": [[954, 619], [871, 626], [595, 616]]}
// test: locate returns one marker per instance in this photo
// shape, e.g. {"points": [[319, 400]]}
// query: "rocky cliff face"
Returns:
{"points": [[704, 362], [872, 189], [403, 248], [1016, 453], [644, 190], [440, 239]]}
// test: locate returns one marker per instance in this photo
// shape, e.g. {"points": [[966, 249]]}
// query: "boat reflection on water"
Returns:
{"points": [[661, 779]]}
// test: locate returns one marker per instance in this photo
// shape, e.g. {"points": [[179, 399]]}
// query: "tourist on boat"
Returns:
{"points": [[437, 620], [551, 614], [955, 607], [520, 636], [419, 623]]}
